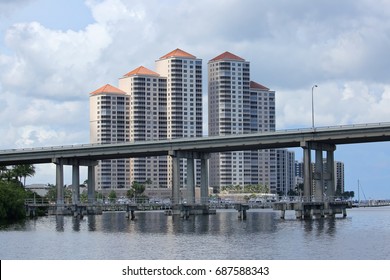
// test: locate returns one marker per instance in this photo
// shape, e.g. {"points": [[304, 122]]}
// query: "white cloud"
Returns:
{"points": [[52, 63], [290, 46], [335, 103], [114, 11], [33, 135]]}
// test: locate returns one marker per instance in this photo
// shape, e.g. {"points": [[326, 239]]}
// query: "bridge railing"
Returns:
{"points": [[37, 201], [279, 131]]}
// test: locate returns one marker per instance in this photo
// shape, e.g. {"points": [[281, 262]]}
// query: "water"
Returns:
{"points": [[364, 234]]}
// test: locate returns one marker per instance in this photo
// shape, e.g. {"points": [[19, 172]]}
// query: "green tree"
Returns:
{"points": [[84, 197], [348, 194], [136, 191], [292, 193], [67, 195], [148, 182], [23, 171], [51, 194], [299, 188], [3, 169], [7, 174], [259, 188], [12, 198], [130, 193], [138, 188], [99, 195], [112, 196]]}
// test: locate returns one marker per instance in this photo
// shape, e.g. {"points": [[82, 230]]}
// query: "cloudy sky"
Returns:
{"points": [[54, 53]]}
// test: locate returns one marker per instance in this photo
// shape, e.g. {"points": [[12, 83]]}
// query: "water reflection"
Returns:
{"points": [[76, 224], [320, 226], [225, 223], [60, 223], [91, 222], [153, 235]]}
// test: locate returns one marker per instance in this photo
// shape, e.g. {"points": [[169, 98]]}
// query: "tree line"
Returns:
{"points": [[13, 192]]}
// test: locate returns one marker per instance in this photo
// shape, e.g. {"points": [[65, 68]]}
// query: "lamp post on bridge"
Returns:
{"points": [[312, 106]]}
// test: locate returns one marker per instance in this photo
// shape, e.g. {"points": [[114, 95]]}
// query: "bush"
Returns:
{"points": [[12, 197]]}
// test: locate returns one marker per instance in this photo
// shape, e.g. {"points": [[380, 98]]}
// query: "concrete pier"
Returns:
{"points": [[313, 210], [190, 185], [185, 210], [241, 208], [130, 211], [75, 163]]}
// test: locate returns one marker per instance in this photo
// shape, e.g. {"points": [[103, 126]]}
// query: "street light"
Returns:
{"points": [[312, 106]]}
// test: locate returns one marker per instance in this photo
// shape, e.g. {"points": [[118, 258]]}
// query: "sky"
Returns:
{"points": [[54, 53]]}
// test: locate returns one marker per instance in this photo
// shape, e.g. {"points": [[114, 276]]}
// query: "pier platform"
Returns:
{"points": [[185, 210], [310, 210]]}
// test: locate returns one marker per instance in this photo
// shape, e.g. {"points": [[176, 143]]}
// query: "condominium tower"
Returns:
{"points": [[109, 123], [238, 105], [147, 91], [285, 170], [155, 105], [184, 101]]}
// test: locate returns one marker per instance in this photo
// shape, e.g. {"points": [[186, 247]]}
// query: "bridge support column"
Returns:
{"points": [[91, 184], [204, 178], [190, 181], [76, 183], [59, 181], [307, 171], [175, 177], [322, 173], [319, 176]]}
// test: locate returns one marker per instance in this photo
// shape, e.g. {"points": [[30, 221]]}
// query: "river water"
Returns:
{"points": [[364, 234]]}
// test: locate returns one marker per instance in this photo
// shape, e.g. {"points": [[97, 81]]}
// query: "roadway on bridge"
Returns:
{"points": [[351, 134]]}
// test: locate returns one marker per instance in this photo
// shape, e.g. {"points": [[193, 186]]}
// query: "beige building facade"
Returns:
{"points": [[148, 106]]}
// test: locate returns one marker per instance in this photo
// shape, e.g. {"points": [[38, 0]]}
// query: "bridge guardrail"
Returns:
{"points": [[279, 131], [37, 201]]}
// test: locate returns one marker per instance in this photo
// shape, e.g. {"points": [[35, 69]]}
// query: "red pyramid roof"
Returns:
{"points": [[141, 71], [108, 89], [227, 56], [257, 86], [178, 53]]}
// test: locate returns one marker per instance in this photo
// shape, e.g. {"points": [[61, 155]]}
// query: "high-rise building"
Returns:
{"points": [[298, 173], [285, 171], [147, 122], [263, 163], [339, 171], [239, 106], [299, 169], [109, 123], [184, 93], [166, 103], [148, 105], [184, 100]]}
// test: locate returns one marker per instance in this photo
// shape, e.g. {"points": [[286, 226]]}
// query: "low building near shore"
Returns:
{"points": [[39, 189]]}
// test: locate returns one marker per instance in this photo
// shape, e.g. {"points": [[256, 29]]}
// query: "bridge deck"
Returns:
{"points": [[279, 139]]}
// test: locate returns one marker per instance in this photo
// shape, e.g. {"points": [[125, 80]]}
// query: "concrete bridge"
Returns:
{"points": [[322, 139]]}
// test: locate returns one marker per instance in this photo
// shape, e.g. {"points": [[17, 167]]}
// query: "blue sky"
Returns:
{"points": [[53, 53]]}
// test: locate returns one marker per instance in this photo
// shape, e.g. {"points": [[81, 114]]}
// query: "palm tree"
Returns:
{"points": [[3, 170], [7, 174], [24, 171]]}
